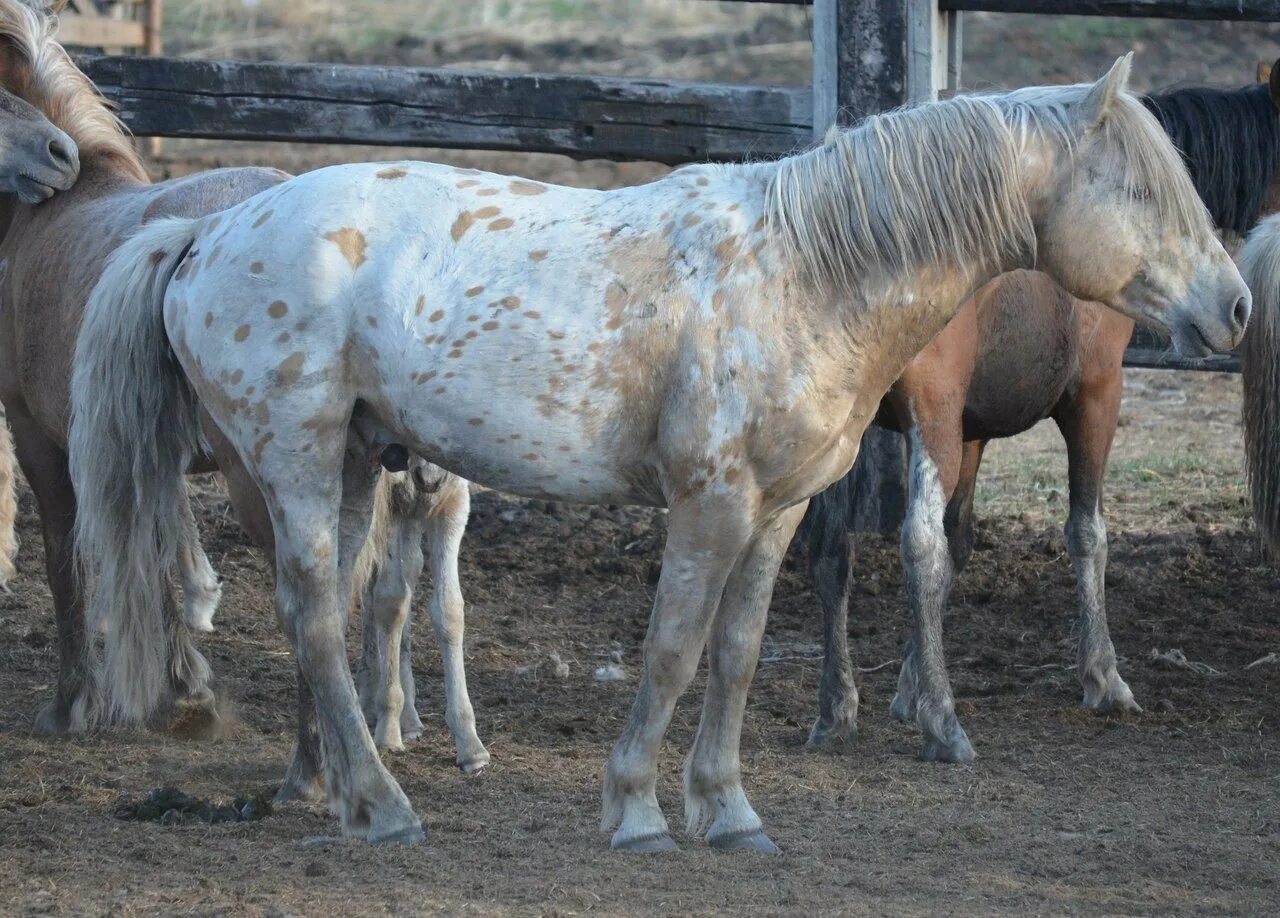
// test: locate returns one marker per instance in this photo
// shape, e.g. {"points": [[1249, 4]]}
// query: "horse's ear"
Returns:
{"points": [[1273, 84], [1102, 94]]}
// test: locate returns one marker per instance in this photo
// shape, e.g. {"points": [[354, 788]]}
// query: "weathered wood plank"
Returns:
{"points": [[665, 121], [1235, 10], [94, 31]]}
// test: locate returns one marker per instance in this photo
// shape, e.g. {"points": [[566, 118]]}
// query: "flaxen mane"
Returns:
{"points": [[53, 84], [939, 184], [1231, 142], [1260, 265]]}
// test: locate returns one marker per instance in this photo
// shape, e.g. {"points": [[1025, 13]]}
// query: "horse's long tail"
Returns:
{"points": [[8, 505], [1260, 265], [134, 431]]}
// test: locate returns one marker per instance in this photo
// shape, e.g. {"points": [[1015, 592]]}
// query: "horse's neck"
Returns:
{"points": [[100, 175]]}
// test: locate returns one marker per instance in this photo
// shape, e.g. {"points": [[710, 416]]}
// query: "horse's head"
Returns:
{"points": [[37, 159], [1118, 221]]}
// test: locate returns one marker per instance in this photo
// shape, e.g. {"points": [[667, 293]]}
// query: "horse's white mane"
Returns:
{"points": [[55, 86], [937, 185]]}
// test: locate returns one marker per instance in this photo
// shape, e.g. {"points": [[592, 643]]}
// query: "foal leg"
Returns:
{"points": [[8, 506], [201, 590], [924, 689], [445, 527], [703, 544], [830, 560], [1088, 425], [714, 798]]}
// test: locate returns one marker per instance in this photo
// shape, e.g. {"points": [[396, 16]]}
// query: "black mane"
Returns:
{"points": [[1230, 140]]}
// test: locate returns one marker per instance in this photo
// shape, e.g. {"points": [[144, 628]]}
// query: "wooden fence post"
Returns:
{"points": [[860, 68]]}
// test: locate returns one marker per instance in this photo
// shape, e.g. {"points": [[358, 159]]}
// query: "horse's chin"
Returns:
{"points": [[31, 191]]}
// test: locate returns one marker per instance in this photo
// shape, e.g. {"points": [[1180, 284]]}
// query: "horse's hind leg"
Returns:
{"points": [[445, 527], [1088, 425], [924, 690], [8, 505], [313, 588], [703, 544], [958, 521], [201, 590], [830, 560], [714, 798]]}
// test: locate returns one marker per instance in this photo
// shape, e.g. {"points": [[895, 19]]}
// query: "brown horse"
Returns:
{"points": [[45, 286], [1022, 350], [48, 281]]}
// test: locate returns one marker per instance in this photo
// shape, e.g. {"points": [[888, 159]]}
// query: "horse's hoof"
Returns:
{"points": [[751, 840], [52, 720], [1119, 700], [956, 751], [308, 790], [409, 835], [645, 844], [832, 738], [474, 765]]}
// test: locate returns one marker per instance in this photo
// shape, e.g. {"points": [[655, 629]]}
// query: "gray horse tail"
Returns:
{"points": [[1260, 265], [134, 431]]}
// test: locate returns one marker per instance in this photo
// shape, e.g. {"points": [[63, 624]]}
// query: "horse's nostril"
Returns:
{"points": [[61, 153], [1240, 313]]}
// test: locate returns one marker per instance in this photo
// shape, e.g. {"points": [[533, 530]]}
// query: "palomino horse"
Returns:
{"points": [[1260, 264], [53, 255], [1021, 350], [714, 342]]}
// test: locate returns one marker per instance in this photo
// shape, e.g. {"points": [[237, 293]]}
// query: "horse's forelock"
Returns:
{"points": [[1230, 140], [43, 74]]}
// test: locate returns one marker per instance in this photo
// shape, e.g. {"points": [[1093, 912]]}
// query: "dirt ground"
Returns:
{"points": [[1174, 810]]}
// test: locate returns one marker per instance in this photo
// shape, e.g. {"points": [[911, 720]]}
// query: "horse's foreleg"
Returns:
{"points": [[924, 689], [444, 539], [703, 544], [1088, 426], [830, 560], [8, 505], [45, 466], [201, 589], [714, 798]]}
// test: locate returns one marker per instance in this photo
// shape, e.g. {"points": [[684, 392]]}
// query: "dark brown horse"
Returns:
{"points": [[1022, 350]]}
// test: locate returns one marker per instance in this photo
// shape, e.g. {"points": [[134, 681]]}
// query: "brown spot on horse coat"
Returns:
{"points": [[467, 183], [489, 326], [263, 218], [510, 303], [436, 316], [236, 377], [262, 444], [484, 213], [475, 291], [475, 422], [520, 186], [278, 309], [242, 333], [157, 256], [504, 223], [487, 192], [351, 243], [394, 172], [538, 255], [532, 457], [208, 319], [420, 305], [256, 267], [290, 369], [461, 225]]}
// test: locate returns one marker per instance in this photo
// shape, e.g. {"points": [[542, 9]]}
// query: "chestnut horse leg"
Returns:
{"points": [[1088, 424], [958, 521]]}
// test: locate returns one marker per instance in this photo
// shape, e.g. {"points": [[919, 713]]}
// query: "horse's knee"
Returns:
{"points": [[1086, 534]]}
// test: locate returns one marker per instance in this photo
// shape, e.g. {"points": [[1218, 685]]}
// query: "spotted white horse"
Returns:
{"points": [[714, 342]]}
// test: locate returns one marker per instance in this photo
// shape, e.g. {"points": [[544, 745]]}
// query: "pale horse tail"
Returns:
{"points": [[1260, 352], [134, 431]]}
